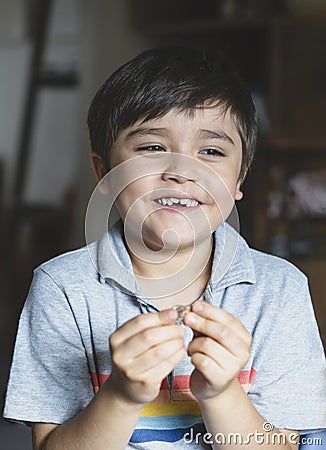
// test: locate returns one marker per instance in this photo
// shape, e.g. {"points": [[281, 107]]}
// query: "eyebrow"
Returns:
{"points": [[205, 134], [209, 134], [144, 131]]}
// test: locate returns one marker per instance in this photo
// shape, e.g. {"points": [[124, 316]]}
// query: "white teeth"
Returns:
{"points": [[182, 201]]}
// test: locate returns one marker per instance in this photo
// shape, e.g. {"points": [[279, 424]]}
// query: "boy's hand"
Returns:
{"points": [[219, 350], [144, 351]]}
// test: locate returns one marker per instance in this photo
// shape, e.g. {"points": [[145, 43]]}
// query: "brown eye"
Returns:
{"points": [[213, 152], [152, 148]]}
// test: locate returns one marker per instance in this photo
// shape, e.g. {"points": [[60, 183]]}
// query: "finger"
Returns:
{"points": [[211, 312], [218, 332], [164, 367], [142, 322], [147, 339], [154, 357], [217, 353], [211, 370]]}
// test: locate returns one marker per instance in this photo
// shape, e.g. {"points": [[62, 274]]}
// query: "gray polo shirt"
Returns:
{"points": [[77, 300]]}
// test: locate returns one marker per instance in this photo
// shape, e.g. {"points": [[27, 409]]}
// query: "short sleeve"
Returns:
{"points": [[49, 378], [290, 387]]}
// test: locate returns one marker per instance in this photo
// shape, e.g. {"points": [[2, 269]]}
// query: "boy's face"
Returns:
{"points": [[185, 178]]}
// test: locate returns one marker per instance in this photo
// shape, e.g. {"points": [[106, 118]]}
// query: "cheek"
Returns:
{"points": [[126, 198], [222, 195], [130, 195]]}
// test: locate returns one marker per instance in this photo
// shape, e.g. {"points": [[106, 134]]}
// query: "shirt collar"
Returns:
{"points": [[232, 262], [114, 263]]}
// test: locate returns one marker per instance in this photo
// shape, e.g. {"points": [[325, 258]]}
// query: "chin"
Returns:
{"points": [[175, 239]]}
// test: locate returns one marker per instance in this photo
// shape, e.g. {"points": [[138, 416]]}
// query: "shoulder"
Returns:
{"points": [[276, 269], [278, 281], [72, 266], [236, 263]]}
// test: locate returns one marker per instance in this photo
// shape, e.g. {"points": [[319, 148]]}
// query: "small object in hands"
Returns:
{"points": [[181, 310]]}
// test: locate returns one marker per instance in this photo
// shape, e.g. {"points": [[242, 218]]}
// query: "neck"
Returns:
{"points": [[169, 276]]}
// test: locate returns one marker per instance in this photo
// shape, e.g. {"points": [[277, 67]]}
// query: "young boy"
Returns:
{"points": [[187, 336]]}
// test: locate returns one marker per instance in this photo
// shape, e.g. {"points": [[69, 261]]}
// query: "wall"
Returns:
{"points": [[108, 41], [14, 55], [52, 163], [52, 166]]}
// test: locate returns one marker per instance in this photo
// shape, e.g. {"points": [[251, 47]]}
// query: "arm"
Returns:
{"points": [[144, 352], [97, 426], [234, 413], [219, 351]]}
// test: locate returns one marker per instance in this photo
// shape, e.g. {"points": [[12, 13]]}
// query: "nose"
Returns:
{"points": [[180, 170]]}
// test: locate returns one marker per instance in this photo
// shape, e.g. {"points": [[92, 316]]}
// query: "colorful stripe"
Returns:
{"points": [[145, 435], [172, 414], [98, 379], [180, 382], [247, 376], [171, 408], [170, 422]]}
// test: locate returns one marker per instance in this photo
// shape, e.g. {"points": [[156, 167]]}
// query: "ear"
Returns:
{"points": [[99, 171], [238, 193], [97, 165]]}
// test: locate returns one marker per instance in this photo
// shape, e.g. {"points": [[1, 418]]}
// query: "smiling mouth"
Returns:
{"points": [[177, 202]]}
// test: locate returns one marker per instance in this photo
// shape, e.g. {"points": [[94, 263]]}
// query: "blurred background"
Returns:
{"points": [[54, 54]]}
